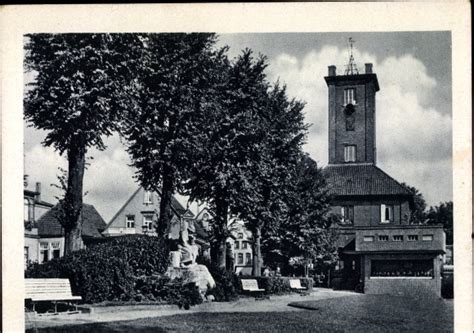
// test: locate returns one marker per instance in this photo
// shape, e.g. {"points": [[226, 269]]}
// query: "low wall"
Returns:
{"points": [[418, 287]]}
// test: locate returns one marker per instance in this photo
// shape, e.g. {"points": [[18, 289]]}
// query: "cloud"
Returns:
{"points": [[41, 165], [413, 137], [108, 179]]}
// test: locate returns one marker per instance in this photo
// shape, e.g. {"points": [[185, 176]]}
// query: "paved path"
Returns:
{"points": [[117, 313]]}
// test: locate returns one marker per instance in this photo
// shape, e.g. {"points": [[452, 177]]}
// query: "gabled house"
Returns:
{"points": [[380, 250], [46, 239], [139, 215]]}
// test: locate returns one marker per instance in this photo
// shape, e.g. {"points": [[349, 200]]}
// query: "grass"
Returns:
{"points": [[367, 313]]}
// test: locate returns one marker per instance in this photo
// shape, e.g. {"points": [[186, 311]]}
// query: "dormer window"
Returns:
{"points": [[349, 96]]}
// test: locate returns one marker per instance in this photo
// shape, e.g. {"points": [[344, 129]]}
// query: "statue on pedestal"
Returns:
{"points": [[183, 255]]}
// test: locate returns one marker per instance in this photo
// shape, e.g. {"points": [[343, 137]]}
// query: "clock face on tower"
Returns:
{"points": [[349, 109]]}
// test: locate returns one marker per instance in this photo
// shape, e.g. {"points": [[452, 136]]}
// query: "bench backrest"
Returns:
{"points": [[295, 283], [47, 289], [249, 284]]}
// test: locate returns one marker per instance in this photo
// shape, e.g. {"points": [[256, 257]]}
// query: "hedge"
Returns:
{"points": [[126, 268]]}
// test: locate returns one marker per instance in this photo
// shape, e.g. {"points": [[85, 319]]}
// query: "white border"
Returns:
{"points": [[221, 18]]}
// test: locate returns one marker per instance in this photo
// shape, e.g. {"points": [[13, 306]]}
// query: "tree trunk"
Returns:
{"points": [[72, 204], [257, 254], [73, 239], [220, 231], [166, 213]]}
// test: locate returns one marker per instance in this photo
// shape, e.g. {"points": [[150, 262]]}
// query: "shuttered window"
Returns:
{"points": [[350, 153]]}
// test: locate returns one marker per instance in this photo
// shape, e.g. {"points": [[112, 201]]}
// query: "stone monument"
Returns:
{"points": [[183, 255]]}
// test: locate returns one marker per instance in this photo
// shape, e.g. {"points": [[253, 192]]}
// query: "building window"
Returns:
{"points": [[130, 221], [26, 255], [383, 238], [44, 251], [386, 213], [401, 268], [147, 223], [55, 249], [347, 213], [240, 235], [148, 198], [248, 259], [398, 238], [350, 153], [427, 237], [240, 259], [412, 238], [237, 245], [244, 245], [349, 96], [368, 238]]}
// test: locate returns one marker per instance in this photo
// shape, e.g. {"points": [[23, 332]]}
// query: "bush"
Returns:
{"points": [[108, 271]]}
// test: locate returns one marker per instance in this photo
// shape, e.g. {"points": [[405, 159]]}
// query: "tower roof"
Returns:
{"points": [[361, 180]]}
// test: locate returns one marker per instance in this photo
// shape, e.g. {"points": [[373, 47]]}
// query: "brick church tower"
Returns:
{"points": [[352, 116], [381, 251]]}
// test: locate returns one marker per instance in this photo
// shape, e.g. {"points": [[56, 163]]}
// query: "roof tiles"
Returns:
{"points": [[361, 179], [93, 223]]}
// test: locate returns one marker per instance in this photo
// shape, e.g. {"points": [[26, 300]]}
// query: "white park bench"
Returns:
{"points": [[52, 290], [251, 286], [295, 284]]}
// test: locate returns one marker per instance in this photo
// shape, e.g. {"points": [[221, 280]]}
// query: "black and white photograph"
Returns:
{"points": [[267, 181]]}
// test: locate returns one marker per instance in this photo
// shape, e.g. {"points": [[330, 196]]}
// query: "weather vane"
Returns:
{"points": [[351, 67]]}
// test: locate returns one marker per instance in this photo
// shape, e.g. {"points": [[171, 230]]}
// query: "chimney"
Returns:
{"points": [[332, 70], [38, 191], [368, 68]]}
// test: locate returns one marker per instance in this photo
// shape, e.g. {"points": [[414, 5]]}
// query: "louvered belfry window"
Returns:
{"points": [[350, 153]]}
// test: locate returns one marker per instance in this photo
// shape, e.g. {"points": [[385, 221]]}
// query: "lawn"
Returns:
{"points": [[369, 313]]}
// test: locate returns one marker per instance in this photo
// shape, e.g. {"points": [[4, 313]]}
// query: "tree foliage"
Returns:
{"points": [[175, 82], [307, 233], [442, 214], [232, 136], [283, 132], [418, 210], [77, 95]]}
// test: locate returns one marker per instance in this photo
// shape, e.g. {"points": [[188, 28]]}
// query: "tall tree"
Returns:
{"points": [[231, 149], [161, 131], [307, 233], [76, 96], [418, 210], [281, 122], [442, 214]]}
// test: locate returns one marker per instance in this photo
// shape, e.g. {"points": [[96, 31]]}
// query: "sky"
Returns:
{"points": [[413, 111]]}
